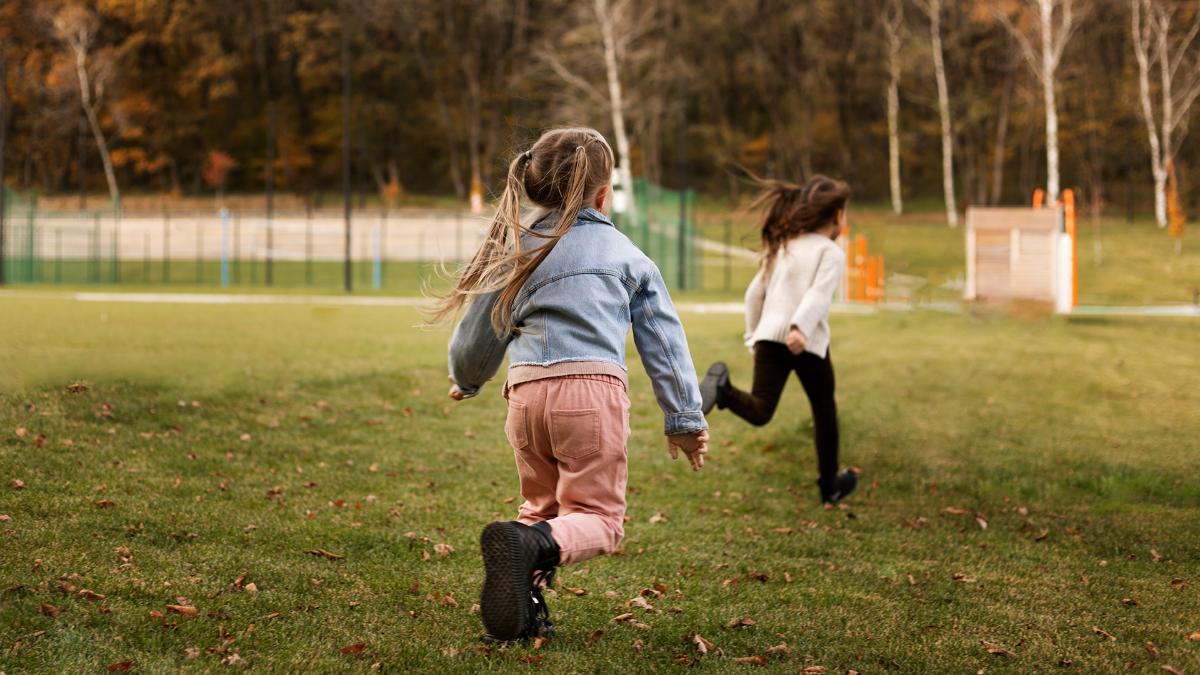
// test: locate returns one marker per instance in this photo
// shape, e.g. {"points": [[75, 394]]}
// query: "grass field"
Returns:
{"points": [[1029, 484]]}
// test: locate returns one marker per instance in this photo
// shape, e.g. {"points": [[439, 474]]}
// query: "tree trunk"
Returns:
{"points": [[85, 97], [1048, 68], [893, 115], [939, 67], [605, 18], [4, 114]]}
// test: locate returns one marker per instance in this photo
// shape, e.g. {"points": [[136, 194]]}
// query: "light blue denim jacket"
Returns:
{"points": [[578, 306]]}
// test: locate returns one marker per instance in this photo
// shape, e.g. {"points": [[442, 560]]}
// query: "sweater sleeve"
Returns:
{"points": [[815, 303], [756, 293]]}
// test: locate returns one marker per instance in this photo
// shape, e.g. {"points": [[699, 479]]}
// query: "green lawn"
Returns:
{"points": [[213, 441]]}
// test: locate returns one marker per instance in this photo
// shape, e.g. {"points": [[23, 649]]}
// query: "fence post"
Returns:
{"points": [[116, 250], [237, 249], [166, 258], [224, 247], [376, 256]]}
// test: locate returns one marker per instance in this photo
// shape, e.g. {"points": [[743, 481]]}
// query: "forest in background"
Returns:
{"points": [[199, 96]]}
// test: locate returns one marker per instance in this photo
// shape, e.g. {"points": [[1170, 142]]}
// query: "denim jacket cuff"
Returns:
{"points": [[688, 422]]}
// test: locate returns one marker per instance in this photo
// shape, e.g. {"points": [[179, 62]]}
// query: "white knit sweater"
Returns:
{"points": [[806, 272]]}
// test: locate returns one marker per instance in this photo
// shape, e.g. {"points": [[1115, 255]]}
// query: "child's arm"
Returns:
{"points": [[815, 303], [475, 351], [663, 347], [756, 293]]}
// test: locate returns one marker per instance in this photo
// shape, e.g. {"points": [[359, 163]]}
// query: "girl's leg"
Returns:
{"points": [[816, 375], [536, 467], [588, 426], [772, 363]]}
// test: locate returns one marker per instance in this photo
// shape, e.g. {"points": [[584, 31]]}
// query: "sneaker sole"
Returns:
{"points": [[503, 604], [709, 385]]}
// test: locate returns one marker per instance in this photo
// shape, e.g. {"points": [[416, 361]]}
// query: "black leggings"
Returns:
{"points": [[772, 365]]}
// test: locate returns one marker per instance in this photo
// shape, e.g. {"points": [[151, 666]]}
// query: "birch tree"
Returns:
{"points": [[933, 10], [1156, 44], [893, 26], [1043, 60], [608, 16], [76, 26]]}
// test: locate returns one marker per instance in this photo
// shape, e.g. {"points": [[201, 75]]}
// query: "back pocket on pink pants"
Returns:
{"points": [[516, 426], [575, 434]]}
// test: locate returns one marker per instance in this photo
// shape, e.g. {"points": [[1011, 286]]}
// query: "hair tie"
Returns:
{"points": [[528, 155]]}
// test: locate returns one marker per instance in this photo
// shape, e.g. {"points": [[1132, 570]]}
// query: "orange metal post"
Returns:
{"points": [[1039, 198], [879, 277], [1068, 197], [860, 256]]}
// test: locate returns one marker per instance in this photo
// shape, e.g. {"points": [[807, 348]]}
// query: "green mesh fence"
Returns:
{"points": [[661, 224]]}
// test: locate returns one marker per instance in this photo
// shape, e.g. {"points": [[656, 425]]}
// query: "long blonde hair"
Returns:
{"points": [[562, 172]]}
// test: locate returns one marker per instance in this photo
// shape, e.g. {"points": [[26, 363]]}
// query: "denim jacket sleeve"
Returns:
{"points": [[663, 348], [475, 351]]}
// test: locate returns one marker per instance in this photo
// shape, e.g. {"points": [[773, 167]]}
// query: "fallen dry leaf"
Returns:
{"points": [[356, 648], [21, 432], [1178, 583], [751, 660], [703, 646], [322, 553], [104, 504], [76, 388], [50, 610], [959, 576], [954, 511], [993, 648], [184, 610], [622, 618], [813, 670], [443, 550], [1194, 636], [530, 658], [781, 648], [595, 636], [1103, 633], [1151, 649], [577, 591], [1171, 669], [540, 641], [90, 595], [17, 484], [983, 524], [638, 602], [1154, 555], [1129, 602], [120, 666], [192, 653], [658, 517], [758, 576], [741, 623], [251, 588]]}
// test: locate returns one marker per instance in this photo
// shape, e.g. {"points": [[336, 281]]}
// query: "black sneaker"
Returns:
{"points": [[511, 605], [714, 388], [839, 488]]}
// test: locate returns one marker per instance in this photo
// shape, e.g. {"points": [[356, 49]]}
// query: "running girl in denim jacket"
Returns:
{"points": [[559, 297]]}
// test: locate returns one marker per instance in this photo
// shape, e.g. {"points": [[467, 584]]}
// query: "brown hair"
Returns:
{"points": [[562, 172], [791, 210]]}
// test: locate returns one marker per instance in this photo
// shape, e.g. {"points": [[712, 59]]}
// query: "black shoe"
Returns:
{"points": [[511, 604], [834, 491], [714, 388]]}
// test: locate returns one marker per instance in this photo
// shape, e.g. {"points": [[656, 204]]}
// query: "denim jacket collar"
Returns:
{"points": [[588, 214]]}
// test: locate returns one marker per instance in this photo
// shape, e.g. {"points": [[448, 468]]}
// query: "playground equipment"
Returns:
{"points": [[1026, 254], [864, 280]]}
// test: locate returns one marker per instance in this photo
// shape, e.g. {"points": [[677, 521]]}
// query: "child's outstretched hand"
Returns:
{"points": [[455, 392], [694, 445]]}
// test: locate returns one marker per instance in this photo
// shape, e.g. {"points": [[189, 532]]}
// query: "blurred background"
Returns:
{"points": [[356, 145]]}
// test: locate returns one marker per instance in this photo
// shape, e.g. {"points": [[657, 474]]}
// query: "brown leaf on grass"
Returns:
{"points": [[155, 614], [577, 591], [1152, 650], [1171, 669], [50, 610], [1129, 602], [640, 626], [21, 432], [1154, 555], [782, 530], [87, 594], [744, 622], [758, 576], [448, 600], [658, 517], [1065, 663], [1178, 583], [622, 618], [104, 504], [703, 646], [787, 577], [983, 524], [682, 660], [356, 648], [639, 602], [120, 666], [184, 610], [638, 645], [17, 484], [1103, 633], [192, 653], [995, 649], [954, 511], [1194, 636], [76, 388], [1042, 535], [781, 648], [322, 553], [443, 550], [64, 586], [813, 670], [531, 658], [729, 582], [251, 588], [751, 660], [540, 641], [960, 577], [595, 637]]}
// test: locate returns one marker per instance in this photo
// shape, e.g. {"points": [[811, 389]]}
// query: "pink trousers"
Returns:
{"points": [[569, 436]]}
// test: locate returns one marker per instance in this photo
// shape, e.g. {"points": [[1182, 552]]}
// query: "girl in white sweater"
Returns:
{"points": [[787, 317]]}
